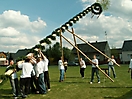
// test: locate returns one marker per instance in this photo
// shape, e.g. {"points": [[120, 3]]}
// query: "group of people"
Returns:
{"points": [[95, 69], [34, 71], [34, 75]]}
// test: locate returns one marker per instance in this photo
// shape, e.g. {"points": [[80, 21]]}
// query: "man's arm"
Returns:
{"points": [[130, 66]]}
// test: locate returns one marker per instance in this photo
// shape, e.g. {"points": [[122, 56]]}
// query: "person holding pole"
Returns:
{"points": [[13, 78], [25, 77], [40, 75], [82, 67], [46, 72], [111, 66], [130, 67], [94, 63], [61, 68]]}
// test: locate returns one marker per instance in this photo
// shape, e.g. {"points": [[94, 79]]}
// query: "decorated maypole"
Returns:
{"points": [[95, 9]]}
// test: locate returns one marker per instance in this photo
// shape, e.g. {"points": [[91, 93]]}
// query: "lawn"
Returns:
{"points": [[74, 87]]}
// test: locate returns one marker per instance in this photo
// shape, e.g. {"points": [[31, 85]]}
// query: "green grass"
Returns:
{"points": [[74, 87]]}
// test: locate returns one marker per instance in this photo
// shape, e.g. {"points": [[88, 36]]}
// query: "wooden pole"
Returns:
{"points": [[62, 53], [93, 47], [76, 45], [87, 58]]}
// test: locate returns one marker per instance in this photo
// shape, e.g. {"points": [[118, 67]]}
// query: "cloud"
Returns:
{"points": [[19, 21], [116, 21], [17, 31]]}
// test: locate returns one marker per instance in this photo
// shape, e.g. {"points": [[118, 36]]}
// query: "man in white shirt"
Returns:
{"points": [[130, 66], [94, 69], [13, 78], [61, 68], [25, 77], [46, 73], [40, 75], [82, 67], [111, 66]]}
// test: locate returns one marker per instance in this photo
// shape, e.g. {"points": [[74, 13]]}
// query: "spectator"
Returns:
{"points": [[61, 68], [95, 69], [82, 67]]}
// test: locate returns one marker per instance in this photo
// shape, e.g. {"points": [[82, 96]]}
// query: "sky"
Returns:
{"points": [[23, 23]]}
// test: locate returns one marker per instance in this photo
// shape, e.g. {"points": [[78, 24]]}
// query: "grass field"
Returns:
{"points": [[74, 87]]}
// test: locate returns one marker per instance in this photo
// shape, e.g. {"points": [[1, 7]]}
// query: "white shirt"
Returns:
{"points": [[82, 63], [27, 68], [111, 62], [13, 75], [39, 68], [46, 62], [60, 64], [130, 65], [95, 61]]}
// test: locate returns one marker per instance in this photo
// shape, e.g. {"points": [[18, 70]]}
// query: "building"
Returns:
{"points": [[3, 59], [126, 51], [89, 51]]}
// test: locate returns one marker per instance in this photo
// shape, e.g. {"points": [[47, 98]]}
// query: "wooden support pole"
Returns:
{"points": [[61, 47], [93, 47], [87, 58], [76, 45]]}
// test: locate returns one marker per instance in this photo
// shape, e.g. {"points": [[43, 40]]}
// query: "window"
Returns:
{"points": [[129, 56]]}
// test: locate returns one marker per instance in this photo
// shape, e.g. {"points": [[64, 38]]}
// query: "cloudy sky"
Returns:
{"points": [[23, 23]]}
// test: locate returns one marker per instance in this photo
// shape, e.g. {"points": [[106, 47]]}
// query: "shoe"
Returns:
{"points": [[48, 90], [37, 92], [98, 82], [91, 82], [24, 96], [82, 77], [60, 80], [15, 97]]}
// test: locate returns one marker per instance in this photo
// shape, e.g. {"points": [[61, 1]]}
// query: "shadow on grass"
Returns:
{"points": [[70, 82], [74, 82], [5, 94], [76, 77], [72, 77], [112, 87], [128, 95]]}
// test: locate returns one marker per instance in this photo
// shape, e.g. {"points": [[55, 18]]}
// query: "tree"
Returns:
{"points": [[54, 53], [105, 3], [68, 55]]}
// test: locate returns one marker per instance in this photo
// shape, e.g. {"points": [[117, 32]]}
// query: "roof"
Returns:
{"points": [[127, 45], [86, 48], [3, 53]]}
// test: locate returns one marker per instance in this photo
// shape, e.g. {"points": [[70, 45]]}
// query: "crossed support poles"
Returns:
{"points": [[79, 51]]}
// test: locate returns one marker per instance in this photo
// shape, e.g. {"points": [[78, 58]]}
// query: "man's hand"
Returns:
{"points": [[129, 70], [36, 78], [39, 50]]}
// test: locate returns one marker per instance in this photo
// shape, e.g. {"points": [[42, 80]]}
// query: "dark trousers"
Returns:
{"points": [[95, 70], [47, 79], [65, 69], [25, 86], [82, 71], [34, 81], [42, 88], [14, 85]]}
